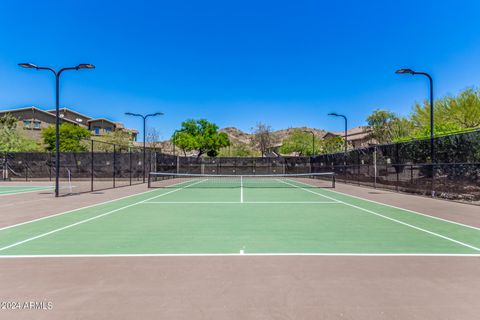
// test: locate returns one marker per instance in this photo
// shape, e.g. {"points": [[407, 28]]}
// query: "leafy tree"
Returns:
{"points": [[71, 137], [262, 139], [300, 141], [333, 145], [12, 138], [442, 121], [120, 138], [202, 136], [451, 114], [464, 109], [386, 127], [238, 149]]}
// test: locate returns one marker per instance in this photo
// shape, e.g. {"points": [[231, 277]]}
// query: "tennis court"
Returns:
{"points": [[206, 215], [16, 189]]}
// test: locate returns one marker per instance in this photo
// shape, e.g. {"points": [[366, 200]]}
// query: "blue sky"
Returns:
{"points": [[285, 63]]}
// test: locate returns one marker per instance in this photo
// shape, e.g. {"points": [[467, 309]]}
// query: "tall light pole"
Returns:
{"points": [[432, 127], [144, 117], [345, 118], [57, 111], [313, 141], [173, 142]]}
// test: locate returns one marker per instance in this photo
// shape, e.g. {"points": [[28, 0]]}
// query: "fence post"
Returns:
{"points": [[375, 167], [359, 164], [397, 167], [130, 164], [433, 179], [50, 168], [149, 162], [411, 174], [387, 173], [114, 164], [92, 168], [4, 166], [26, 166]]}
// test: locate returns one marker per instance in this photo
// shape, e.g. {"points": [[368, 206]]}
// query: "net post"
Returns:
{"points": [[149, 185], [333, 180]]}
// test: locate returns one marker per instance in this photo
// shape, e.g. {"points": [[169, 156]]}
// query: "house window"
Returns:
{"points": [[27, 123], [37, 124], [107, 130], [96, 130]]}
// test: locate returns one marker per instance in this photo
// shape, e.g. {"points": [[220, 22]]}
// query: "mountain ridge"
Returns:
{"points": [[237, 136]]}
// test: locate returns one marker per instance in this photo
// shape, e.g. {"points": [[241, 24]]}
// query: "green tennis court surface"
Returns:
{"points": [[4, 190], [195, 216]]}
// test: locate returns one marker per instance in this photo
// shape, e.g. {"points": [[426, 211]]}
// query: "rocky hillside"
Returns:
{"points": [[237, 135]]}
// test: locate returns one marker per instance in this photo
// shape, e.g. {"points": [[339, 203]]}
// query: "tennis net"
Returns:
{"points": [[302, 180]]}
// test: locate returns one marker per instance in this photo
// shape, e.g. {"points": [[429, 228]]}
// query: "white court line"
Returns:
{"points": [[191, 202], [318, 194], [86, 207], [22, 191], [411, 211], [236, 202], [392, 219], [395, 207], [93, 218], [146, 255]]}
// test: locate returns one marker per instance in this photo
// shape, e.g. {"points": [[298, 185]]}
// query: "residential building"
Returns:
{"points": [[358, 137], [33, 119]]}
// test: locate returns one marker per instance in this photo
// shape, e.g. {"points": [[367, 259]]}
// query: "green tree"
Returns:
{"points": [[451, 114], [386, 126], [420, 117], [12, 138], [202, 136], [333, 145], [71, 137], [120, 138], [464, 109], [238, 149], [300, 141]]}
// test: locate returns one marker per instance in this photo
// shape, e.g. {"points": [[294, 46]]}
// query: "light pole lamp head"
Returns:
{"points": [[405, 71], [85, 66], [28, 65], [333, 114], [132, 114]]}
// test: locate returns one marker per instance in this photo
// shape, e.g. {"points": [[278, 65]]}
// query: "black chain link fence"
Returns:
{"points": [[102, 166], [403, 167], [408, 167]]}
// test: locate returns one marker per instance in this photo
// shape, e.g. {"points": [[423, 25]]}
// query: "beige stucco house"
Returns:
{"points": [[358, 137], [33, 120]]}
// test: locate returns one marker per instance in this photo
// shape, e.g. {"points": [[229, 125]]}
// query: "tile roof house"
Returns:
{"points": [[33, 119], [358, 137]]}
